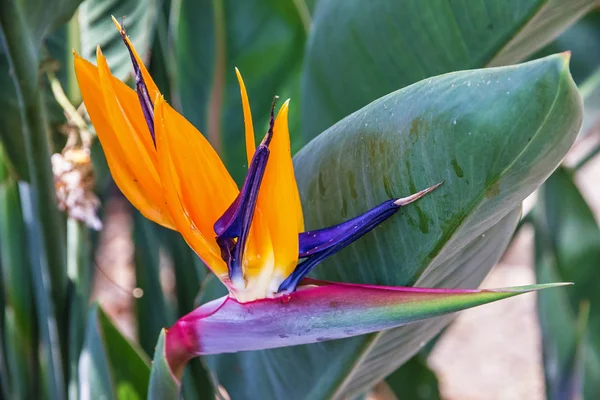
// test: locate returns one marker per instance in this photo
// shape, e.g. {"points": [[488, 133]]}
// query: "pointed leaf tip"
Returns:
{"points": [[529, 288], [163, 382]]}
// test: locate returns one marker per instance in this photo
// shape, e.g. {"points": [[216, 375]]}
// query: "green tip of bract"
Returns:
{"points": [[530, 288]]}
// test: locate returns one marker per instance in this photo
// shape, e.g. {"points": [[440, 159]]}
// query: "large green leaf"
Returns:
{"points": [[388, 44], [263, 38], [414, 380], [492, 143], [110, 366], [10, 114], [568, 247], [41, 16], [151, 308], [97, 28]]}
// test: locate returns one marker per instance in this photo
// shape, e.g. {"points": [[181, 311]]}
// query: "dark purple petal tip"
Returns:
{"points": [[233, 227], [141, 88], [316, 246]]}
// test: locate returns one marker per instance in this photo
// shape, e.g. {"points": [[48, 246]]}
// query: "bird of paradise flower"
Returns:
{"points": [[252, 239]]}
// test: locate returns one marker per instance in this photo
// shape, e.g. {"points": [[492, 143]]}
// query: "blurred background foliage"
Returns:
{"points": [[331, 57]]}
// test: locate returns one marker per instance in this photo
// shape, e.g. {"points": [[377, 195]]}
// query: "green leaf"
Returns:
{"points": [[151, 308], [188, 269], [575, 239], [110, 366], [59, 59], [97, 28], [42, 16], [414, 380], [163, 385], [45, 229], [590, 90], [388, 44], [19, 359], [19, 314], [567, 241], [493, 144], [189, 273], [581, 40], [263, 38], [10, 114], [79, 271], [50, 357]]}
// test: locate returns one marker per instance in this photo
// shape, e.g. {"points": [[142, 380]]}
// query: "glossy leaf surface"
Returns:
{"points": [[492, 135], [386, 45]]}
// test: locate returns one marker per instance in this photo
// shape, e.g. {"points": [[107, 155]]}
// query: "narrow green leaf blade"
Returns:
{"points": [[19, 309], [567, 243], [10, 114], [110, 366], [79, 270], [47, 236], [50, 357], [151, 308]]}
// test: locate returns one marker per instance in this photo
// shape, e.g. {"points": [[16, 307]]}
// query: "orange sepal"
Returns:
{"points": [[279, 198], [185, 210], [207, 189], [141, 187]]}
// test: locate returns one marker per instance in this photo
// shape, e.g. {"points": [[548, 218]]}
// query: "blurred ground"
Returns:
{"points": [[489, 353]]}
